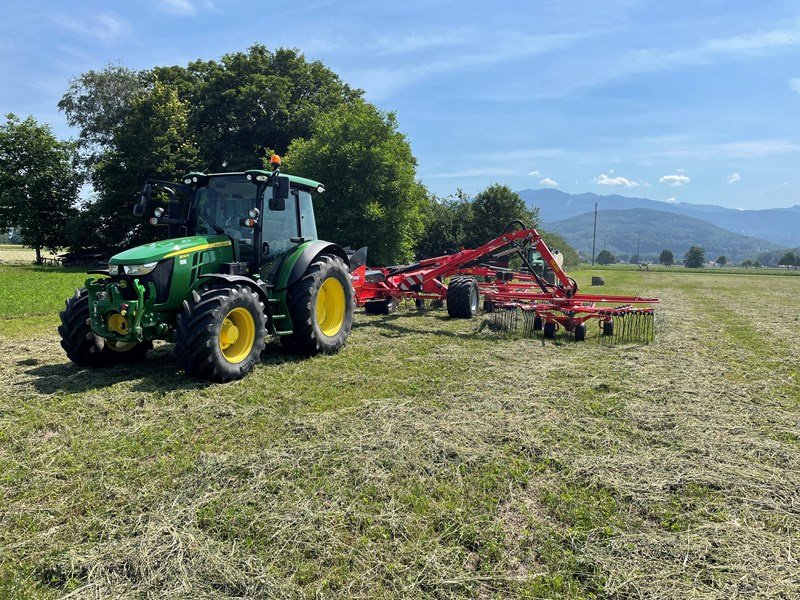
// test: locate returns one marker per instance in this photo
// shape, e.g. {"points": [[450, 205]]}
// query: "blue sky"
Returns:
{"points": [[681, 101]]}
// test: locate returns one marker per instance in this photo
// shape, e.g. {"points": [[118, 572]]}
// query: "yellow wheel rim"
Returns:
{"points": [[331, 306], [237, 335]]}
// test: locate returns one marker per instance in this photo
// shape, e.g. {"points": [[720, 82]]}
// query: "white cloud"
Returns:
{"points": [[795, 84], [186, 8], [671, 200], [680, 170], [105, 27], [734, 177], [674, 180], [534, 173], [547, 182], [604, 179]]}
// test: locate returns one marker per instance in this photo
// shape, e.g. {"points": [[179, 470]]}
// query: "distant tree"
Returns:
{"points": [[555, 241], [666, 258], [605, 258], [446, 223], [492, 210], [789, 259], [634, 260], [694, 258], [757, 264], [372, 196], [39, 183], [722, 261], [747, 263]]}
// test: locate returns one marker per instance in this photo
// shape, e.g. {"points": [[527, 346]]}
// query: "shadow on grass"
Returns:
{"points": [[392, 324], [158, 373]]}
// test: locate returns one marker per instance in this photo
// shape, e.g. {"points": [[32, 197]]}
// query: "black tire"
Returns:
{"points": [[580, 332], [608, 328], [199, 332], [307, 336], [462, 297], [537, 323], [488, 305], [380, 307], [86, 349], [550, 330], [419, 303]]}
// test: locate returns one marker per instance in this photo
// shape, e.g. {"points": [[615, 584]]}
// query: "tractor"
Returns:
{"points": [[242, 260]]}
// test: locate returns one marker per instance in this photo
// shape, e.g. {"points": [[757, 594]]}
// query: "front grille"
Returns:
{"points": [[161, 277]]}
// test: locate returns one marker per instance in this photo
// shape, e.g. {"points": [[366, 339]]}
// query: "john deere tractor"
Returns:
{"points": [[242, 261]]}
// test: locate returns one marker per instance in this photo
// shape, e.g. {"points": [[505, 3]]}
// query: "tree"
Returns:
{"points": [[154, 139], [694, 257], [757, 264], [722, 261], [555, 241], [666, 258], [446, 223], [492, 210], [634, 260], [746, 263], [39, 183], [605, 258], [372, 197], [789, 259]]}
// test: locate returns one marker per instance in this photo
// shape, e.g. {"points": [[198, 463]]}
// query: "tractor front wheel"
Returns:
{"points": [[220, 333], [321, 306], [86, 349], [462, 297]]}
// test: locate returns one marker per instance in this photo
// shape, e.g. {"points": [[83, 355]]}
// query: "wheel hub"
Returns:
{"points": [[229, 333]]}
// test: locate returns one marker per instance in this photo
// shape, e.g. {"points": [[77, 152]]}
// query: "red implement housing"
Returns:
{"points": [[555, 304]]}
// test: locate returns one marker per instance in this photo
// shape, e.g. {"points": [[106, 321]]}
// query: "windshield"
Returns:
{"points": [[222, 205]]}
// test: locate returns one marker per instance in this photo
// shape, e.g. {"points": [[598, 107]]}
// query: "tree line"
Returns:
{"points": [[232, 114]]}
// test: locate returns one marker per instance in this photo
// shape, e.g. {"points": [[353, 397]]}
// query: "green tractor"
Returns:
{"points": [[242, 260]]}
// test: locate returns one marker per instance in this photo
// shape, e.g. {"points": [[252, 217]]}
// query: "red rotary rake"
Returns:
{"points": [[516, 299]]}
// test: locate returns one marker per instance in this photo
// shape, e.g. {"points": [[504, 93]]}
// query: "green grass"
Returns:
{"points": [[428, 459]]}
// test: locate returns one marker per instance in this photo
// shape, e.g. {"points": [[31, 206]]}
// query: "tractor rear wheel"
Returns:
{"points": [[220, 332], [86, 349], [462, 297], [321, 306]]}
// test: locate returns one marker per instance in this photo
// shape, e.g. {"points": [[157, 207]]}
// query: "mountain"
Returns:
{"points": [[655, 230], [778, 225]]}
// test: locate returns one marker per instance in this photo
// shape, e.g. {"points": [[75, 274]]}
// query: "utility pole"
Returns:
{"points": [[638, 258], [594, 233]]}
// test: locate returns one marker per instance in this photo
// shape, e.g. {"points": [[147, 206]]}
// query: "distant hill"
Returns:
{"points": [[617, 231], [772, 257], [778, 225]]}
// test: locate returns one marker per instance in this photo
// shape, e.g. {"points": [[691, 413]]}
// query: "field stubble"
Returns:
{"points": [[427, 459]]}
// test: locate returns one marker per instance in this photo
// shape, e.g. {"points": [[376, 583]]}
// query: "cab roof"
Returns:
{"points": [[297, 181]]}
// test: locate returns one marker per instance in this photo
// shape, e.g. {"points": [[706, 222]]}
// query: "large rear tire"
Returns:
{"points": [[321, 306], [86, 349], [220, 333], [462, 297]]}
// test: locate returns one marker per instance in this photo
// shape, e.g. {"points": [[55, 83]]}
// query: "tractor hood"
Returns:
{"points": [[155, 251]]}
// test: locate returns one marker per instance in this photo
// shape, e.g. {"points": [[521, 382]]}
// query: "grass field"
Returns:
{"points": [[428, 459]]}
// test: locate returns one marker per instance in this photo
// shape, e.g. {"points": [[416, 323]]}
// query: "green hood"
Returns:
{"points": [[156, 251]]}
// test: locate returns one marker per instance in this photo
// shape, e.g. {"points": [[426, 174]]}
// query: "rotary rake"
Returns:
{"points": [[521, 300]]}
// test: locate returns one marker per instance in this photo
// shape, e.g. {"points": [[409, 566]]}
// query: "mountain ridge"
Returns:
{"points": [[780, 226]]}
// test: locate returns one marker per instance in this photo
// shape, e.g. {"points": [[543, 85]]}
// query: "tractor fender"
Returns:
{"points": [[233, 279], [308, 254]]}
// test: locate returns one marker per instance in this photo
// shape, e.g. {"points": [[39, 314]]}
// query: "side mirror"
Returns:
{"points": [[280, 192], [140, 209]]}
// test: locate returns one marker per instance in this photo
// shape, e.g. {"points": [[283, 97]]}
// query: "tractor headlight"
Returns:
{"points": [[138, 270]]}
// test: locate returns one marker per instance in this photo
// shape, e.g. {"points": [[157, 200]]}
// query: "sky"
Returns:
{"points": [[676, 101]]}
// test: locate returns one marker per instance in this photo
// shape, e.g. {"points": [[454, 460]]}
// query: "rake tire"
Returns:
{"points": [[462, 297], [549, 330], [608, 328], [82, 346], [580, 332], [197, 333], [381, 307]]}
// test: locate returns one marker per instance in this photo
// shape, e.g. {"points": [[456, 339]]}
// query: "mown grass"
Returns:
{"points": [[428, 459]]}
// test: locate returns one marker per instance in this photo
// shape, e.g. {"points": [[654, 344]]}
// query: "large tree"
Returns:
{"points": [[221, 115], [694, 257], [372, 196], [605, 258], [789, 259], [666, 258], [446, 223], [39, 182], [492, 210]]}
